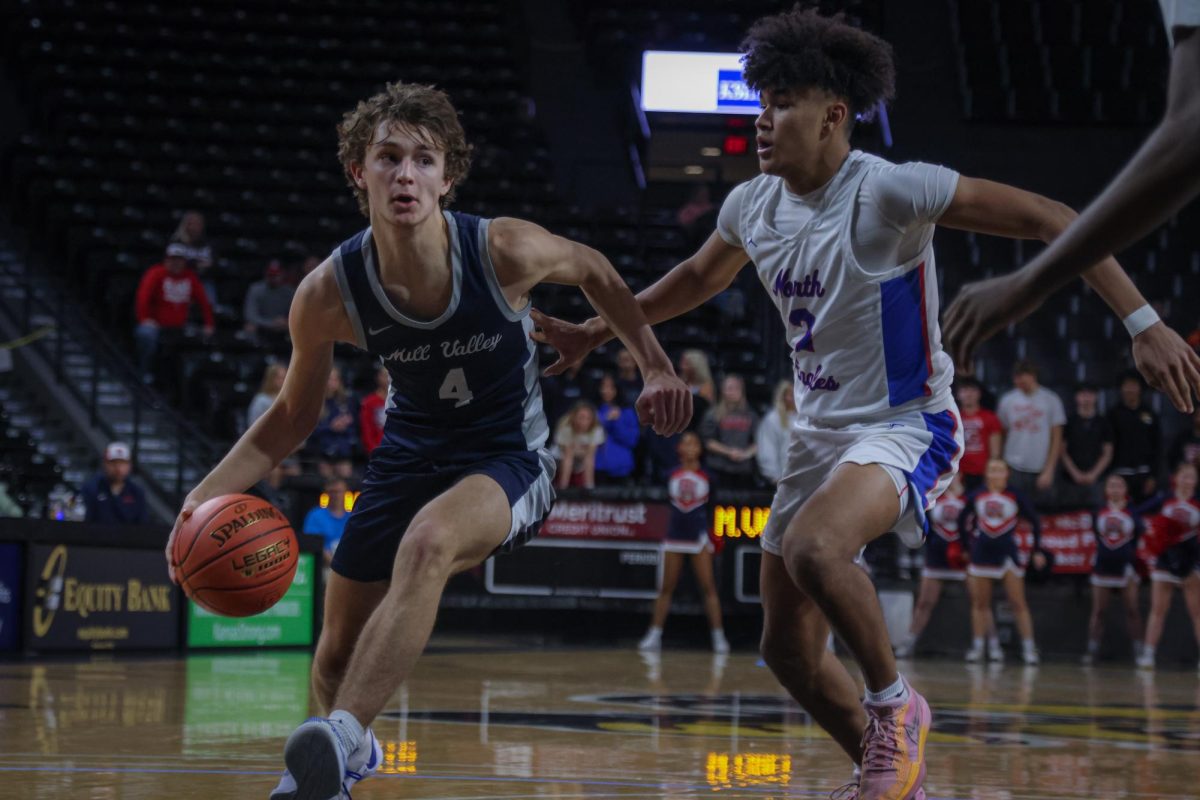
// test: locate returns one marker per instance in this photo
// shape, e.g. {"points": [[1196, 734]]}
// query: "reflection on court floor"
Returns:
{"points": [[515, 724]]}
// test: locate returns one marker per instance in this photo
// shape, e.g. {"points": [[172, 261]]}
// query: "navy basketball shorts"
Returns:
{"points": [[397, 486]]}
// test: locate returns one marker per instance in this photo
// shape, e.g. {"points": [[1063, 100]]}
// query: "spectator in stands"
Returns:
{"points": [[1137, 438], [272, 488], [614, 458], [983, 435], [112, 497], [9, 508], [687, 534], [272, 383], [561, 393], [336, 436], [695, 372], [191, 234], [697, 217], [1087, 451], [773, 433], [328, 518], [1185, 448], [728, 432], [372, 411], [1033, 419], [578, 436], [164, 296], [629, 380], [267, 303]]}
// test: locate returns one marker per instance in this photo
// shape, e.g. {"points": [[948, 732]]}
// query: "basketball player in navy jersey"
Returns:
{"points": [[842, 243], [1117, 530], [442, 298]]}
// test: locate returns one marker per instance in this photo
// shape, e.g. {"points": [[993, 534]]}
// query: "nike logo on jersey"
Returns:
{"points": [[377, 331]]}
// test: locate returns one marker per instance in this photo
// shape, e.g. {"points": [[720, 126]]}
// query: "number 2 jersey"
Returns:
{"points": [[464, 386], [850, 267]]}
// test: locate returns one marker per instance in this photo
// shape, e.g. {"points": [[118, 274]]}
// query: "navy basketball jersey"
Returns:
{"points": [[464, 385]]}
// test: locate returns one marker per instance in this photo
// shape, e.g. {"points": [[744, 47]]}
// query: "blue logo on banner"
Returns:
{"points": [[732, 91], [10, 595]]}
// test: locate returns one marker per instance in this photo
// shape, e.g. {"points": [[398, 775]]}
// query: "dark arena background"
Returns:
{"points": [[201, 135]]}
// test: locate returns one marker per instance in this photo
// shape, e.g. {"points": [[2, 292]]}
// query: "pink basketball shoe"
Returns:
{"points": [[894, 749]]}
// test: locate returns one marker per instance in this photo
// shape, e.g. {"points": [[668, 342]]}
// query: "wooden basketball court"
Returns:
{"points": [[497, 722]]}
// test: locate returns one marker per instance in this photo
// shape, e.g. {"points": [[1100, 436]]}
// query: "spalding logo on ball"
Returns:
{"points": [[236, 555]]}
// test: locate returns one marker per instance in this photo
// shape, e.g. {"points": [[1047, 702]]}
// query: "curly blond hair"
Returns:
{"points": [[424, 108]]}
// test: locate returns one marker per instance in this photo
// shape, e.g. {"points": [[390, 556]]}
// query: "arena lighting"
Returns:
{"points": [[693, 169], [696, 83], [348, 500], [735, 145], [710, 152]]}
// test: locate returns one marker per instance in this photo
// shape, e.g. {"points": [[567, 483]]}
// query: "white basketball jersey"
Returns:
{"points": [[865, 346]]}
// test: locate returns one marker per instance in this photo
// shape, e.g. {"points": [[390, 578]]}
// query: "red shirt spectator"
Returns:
{"points": [[979, 427], [167, 291], [371, 413]]}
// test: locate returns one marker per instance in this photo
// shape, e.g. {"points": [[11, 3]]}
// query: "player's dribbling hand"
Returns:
{"points": [[1168, 364], [571, 341], [665, 404], [185, 513], [981, 309]]}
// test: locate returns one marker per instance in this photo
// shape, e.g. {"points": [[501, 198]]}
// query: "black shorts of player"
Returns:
{"points": [[1179, 560], [398, 485]]}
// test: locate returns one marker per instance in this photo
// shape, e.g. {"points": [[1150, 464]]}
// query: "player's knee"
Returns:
{"points": [[808, 559], [424, 552]]}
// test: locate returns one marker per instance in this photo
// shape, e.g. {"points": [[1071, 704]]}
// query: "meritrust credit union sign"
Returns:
{"points": [[99, 598]]}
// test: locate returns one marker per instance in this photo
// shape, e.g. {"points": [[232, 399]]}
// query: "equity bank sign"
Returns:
{"points": [[99, 598]]}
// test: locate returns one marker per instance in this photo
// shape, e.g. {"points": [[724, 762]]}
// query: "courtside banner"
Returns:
{"points": [[1068, 537], [609, 521], [288, 622], [10, 596], [99, 598]]}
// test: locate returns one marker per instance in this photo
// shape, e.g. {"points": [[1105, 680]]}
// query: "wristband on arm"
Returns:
{"points": [[1140, 319]]}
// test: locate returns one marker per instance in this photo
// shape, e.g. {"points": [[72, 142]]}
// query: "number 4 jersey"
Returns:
{"points": [[464, 385], [850, 267]]}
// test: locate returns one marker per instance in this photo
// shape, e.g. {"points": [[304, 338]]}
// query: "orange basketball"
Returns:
{"points": [[236, 555]]}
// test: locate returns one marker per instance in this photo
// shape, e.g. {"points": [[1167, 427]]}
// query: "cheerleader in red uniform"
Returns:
{"points": [[1117, 530], [1176, 557]]}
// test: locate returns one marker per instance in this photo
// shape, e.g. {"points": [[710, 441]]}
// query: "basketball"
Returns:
{"points": [[236, 555]]}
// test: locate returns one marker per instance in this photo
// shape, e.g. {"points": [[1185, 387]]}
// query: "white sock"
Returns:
{"points": [[1028, 646], [653, 631], [718, 634], [351, 725], [1148, 651], [977, 643], [994, 642], [1093, 646], [898, 691]]}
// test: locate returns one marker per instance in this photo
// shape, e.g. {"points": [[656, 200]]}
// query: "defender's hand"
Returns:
{"points": [[665, 404], [981, 309], [572, 342], [185, 513], [1168, 364]]}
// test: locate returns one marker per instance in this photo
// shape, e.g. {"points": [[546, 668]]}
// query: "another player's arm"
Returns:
{"points": [[690, 283], [994, 208], [317, 319], [526, 254], [1161, 177]]}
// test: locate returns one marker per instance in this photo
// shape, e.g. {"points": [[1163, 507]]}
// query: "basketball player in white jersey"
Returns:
{"points": [[1161, 178], [842, 241]]}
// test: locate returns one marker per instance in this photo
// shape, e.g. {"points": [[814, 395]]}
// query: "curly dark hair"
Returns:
{"points": [[802, 48], [410, 104]]}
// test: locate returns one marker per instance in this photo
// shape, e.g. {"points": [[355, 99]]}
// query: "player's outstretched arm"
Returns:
{"points": [[316, 320], [994, 208], [526, 254], [690, 283]]}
